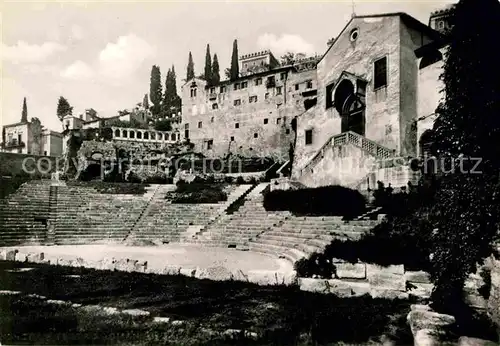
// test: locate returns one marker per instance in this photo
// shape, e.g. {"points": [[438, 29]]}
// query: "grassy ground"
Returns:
{"points": [[279, 315]]}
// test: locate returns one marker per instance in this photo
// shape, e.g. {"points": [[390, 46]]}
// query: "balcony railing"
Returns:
{"points": [[13, 144]]}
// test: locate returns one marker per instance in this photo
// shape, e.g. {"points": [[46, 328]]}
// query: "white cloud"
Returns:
{"points": [[23, 52], [78, 71], [285, 43], [123, 58]]}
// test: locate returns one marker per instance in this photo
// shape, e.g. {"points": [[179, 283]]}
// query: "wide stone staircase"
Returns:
{"points": [[298, 237], [236, 230], [166, 222], [24, 214], [86, 216]]}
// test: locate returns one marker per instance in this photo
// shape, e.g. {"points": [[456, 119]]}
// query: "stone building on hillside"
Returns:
{"points": [[29, 137], [251, 116], [368, 103]]}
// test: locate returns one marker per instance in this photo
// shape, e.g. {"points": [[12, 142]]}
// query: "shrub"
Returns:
{"points": [[197, 193], [11, 185], [318, 264], [328, 200], [240, 180]]}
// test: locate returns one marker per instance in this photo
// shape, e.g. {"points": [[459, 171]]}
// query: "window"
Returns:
{"points": [[237, 125], [354, 35], [67, 124], [223, 89], [236, 86], [237, 102], [193, 92], [441, 24], [309, 84], [287, 131], [244, 85], [212, 90], [186, 126], [212, 119], [215, 106], [255, 135], [200, 124], [309, 137], [297, 86], [124, 134], [232, 138], [186, 133], [132, 134], [258, 81], [139, 135], [278, 105], [278, 121], [252, 99], [45, 153], [117, 133], [279, 90], [283, 76], [210, 144], [160, 136], [266, 96], [173, 136], [380, 73], [266, 121]]}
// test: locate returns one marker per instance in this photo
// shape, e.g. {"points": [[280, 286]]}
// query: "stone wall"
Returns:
{"points": [[378, 281], [257, 128], [12, 164]]}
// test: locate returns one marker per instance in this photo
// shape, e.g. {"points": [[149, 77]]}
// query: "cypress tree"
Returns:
{"points": [[155, 92], [208, 66], [215, 71], [190, 68], [24, 114], [235, 68], [176, 102], [145, 101]]}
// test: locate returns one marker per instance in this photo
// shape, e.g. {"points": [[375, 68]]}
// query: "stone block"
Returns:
{"points": [[3, 255], [337, 260], [398, 269], [476, 301], [159, 319], [21, 257], [188, 272], [171, 270], [107, 264], [35, 257], [78, 262], [339, 288], [421, 290], [314, 285], [351, 271], [136, 312], [65, 262], [269, 277], [417, 277], [388, 294], [423, 317], [10, 255], [214, 273], [141, 266], [121, 264]]}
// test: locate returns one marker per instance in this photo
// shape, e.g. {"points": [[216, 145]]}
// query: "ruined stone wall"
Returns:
{"points": [[493, 306], [377, 38], [257, 128]]}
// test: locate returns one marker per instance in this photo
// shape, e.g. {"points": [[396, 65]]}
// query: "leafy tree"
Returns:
{"points": [[24, 115], [235, 67], [155, 91], [466, 215], [163, 125], [63, 108], [330, 41], [208, 66], [287, 59], [145, 102], [215, 71], [190, 68]]}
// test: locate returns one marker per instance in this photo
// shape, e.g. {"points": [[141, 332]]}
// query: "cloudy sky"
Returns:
{"points": [[100, 55]]}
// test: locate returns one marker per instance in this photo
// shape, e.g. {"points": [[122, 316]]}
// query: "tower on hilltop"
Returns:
{"points": [[441, 20], [257, 62]]}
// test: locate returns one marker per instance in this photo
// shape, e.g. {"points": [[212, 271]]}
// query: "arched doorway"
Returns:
{"points": [[425, 144], [350, 107]]}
